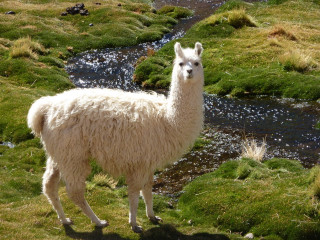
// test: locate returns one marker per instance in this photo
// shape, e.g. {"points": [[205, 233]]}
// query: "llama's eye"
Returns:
{"points": [[196, 63], [181, 64]]}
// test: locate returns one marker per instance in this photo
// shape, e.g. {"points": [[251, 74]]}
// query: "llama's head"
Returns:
{"points": [[188, 63]]}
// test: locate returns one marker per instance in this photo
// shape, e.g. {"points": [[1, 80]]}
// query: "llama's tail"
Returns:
{"points": [[36, 115]]}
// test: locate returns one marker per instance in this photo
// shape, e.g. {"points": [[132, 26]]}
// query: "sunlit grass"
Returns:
{"points": [[237, 18], [25, 47], [298, 61]]}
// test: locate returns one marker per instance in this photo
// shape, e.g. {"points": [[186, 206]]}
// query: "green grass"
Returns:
{"points": [[279, 205], [251, 49]]}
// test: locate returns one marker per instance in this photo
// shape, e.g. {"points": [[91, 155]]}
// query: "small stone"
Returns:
{"points": [[79, 5], [11, 13], [70, 49], [249, 236], [64, 14], [84, 12], [91, 24]]}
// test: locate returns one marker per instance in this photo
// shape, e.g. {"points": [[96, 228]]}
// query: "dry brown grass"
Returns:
{"points": [[104, 180], [281, 31], [25, 47], [236, 18], [297, 60], [251, 149]]}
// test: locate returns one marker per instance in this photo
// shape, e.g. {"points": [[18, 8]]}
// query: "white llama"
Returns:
{"points": [[130, 134]]}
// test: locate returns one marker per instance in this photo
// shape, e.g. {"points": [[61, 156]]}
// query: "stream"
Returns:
{"points": [[286, 124]]}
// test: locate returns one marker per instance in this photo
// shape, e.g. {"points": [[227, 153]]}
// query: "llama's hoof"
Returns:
{"points": [[67, 221], [156, 220], [137, 229], [102, 223]]}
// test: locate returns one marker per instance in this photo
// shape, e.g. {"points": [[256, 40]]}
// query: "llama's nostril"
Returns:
{"points": [[189, 71]]}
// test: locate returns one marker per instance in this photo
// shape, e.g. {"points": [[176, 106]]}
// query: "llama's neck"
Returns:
{"points": [[185, 105]]}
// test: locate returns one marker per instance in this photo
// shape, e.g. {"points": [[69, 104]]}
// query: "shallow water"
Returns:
{"points": [[287, 125]]}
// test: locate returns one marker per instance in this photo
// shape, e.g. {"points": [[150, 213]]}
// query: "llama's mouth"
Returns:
{"points": [[190, 76]]}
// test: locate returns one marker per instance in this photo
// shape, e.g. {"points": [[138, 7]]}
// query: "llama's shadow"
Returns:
{"points": [[161, 232], [96, 234]]}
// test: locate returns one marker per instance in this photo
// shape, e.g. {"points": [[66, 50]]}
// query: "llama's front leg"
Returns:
{"points": [[133, 193], [147, 196]]}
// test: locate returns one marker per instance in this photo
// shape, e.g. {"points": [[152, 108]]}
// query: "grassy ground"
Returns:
{"points": [[262, 48], [275, 199]]}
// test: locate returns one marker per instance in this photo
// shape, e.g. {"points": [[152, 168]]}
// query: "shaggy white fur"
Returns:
{"points": [[130, 134]]}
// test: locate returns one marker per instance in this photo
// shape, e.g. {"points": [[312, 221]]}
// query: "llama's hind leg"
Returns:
{"points": [[147, 196], [133, 194], [51, 179], [75, 184]]}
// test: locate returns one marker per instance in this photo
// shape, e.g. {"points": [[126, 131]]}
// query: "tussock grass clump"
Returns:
{"points": [[175, 12], [251, 149], [25, 47], [237, 18], [280, 31], [104, 180], [296, 60]]}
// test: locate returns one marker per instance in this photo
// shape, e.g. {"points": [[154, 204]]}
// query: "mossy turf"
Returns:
{"points": [[272, 199], [251, 49]]}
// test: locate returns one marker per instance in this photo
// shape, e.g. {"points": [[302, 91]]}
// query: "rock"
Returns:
{"points": [[75, 10], [11, 13], [91, 24], [78, 8], [79, 5], [70, 49], [64, 14], [84, 12], [249, 236]]}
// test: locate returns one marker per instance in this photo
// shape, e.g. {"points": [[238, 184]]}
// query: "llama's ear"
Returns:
{"points": [[198, 48], [178, 49]]}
